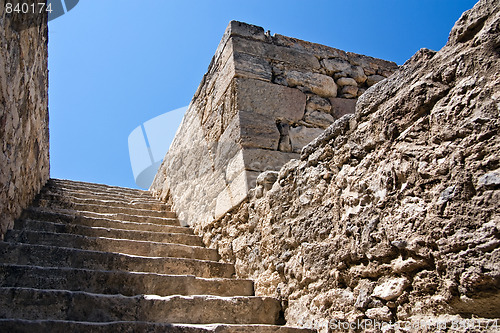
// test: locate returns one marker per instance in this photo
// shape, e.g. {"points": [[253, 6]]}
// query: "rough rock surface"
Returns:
{"points": [[24, 150], [393, 212]]}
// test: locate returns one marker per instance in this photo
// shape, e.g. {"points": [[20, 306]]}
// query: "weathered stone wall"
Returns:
{"points": [[24, 156], [393, 213], [263, 98]]}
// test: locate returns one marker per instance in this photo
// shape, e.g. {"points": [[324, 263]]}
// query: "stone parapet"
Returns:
{"points": [[261, 101], [24, 152]]}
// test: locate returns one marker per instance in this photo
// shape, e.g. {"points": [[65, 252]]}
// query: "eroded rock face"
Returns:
{"points": [[393, 212], [24, 134]]}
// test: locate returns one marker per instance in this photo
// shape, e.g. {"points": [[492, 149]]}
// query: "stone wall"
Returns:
{"points": [[393, 213], [262, 100], [24, 156]]}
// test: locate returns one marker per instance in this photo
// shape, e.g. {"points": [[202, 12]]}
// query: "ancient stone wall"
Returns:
{"points": [[393, 213], [262, 100], [24, 153]]}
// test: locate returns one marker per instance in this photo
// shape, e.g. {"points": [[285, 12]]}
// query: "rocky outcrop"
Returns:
{"points": [[262, 100], [24, 135], [391, 214]]}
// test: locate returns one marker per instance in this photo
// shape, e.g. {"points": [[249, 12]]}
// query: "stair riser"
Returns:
{"points": [[138, 248], [46, 256], [161, 237], [78, 306], [21, 326], [124, 283]]}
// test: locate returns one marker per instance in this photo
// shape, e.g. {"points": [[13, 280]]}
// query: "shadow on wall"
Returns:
{"points": [[149, 142]]}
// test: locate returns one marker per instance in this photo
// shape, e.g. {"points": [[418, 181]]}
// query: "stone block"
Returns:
{"points": [[319, 84], [346, 81], [335, 65], [250, 66], [258, 131], [342, 106], [272, 100], [300, 136], [316, 103], [319, 119], [296, 58], [349, 92], [235, 192]]}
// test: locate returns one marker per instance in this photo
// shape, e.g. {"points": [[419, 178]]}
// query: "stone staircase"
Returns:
{"points": [[96, 258]]}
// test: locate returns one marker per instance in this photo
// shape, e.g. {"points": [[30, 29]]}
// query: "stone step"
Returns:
{"points": [[37, 214], [61, 326], [89, 194], [53, 256], [84, 199], [96, 231], [105, 209], [102, 187], [126, 246], [102, 192], [40, 213], [35, 304], [116, 282]]}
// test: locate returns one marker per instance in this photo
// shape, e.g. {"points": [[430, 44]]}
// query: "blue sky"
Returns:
{"points": [[115, 64]]}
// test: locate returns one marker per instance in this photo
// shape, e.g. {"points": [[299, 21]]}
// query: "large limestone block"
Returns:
{"points": [[319, 84], [258, 131], [300, 136], [272, 100], [234, 193], [246, 65], [291, 56]]}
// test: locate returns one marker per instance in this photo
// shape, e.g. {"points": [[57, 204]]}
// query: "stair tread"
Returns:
{"points": [[127, 246], [34, 212], [79, 305], [120, 282], [169, 236], [63, 326], [44, 255]]}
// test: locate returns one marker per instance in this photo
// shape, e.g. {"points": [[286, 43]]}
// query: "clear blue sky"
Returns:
{"points": [[117, 63]]}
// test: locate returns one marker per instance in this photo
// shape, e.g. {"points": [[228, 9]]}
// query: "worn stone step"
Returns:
{"points": [[53, 256], [96, 231], [60, 326], [103, 187], [101, 192], [47, 198], [34, 214], [40, 213], [105, 209], [90, 194], [29, 303], [116, 282], [132, 247]]}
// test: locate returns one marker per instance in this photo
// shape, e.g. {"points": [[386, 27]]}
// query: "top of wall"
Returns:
{"points": [[321, 52]]}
